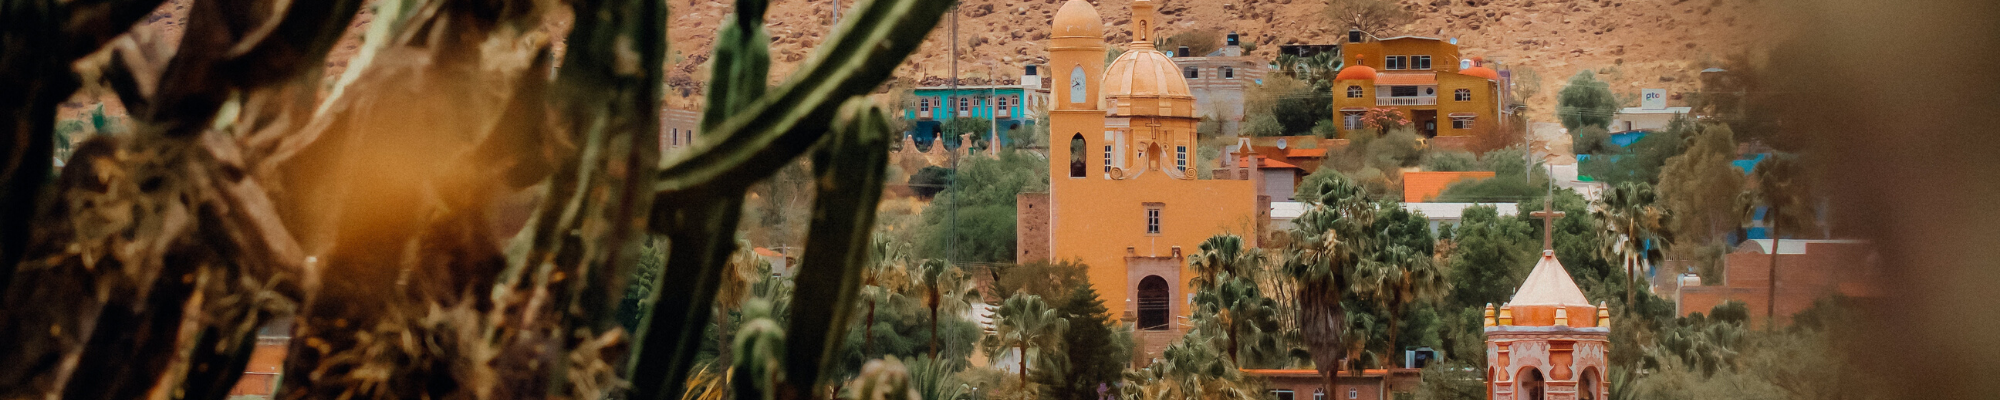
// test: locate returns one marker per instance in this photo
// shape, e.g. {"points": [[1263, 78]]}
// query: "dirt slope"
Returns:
{"points": [[1651, 43]]}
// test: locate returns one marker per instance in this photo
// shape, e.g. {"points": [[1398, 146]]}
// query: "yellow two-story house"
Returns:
{"points": [[1425, 79]]}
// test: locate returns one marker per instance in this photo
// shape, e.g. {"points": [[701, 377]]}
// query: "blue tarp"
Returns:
{"points": [[1748, 165]]}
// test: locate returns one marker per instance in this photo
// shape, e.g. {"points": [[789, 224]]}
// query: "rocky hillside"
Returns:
{"points": [[1642, 43], [1639, 43]]}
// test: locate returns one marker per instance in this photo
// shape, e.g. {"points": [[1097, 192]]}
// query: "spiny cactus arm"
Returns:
{"points": [[89, 24], [670, 335], [42, 38], [849, 171], [759, 359], [294, 42], [782, 125], [742, 63]]}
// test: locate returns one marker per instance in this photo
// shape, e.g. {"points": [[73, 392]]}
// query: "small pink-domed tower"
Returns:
{"points": [[1548, 342]]}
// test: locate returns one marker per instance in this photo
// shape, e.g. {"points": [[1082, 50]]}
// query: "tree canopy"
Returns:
{"points": [[1586, 102]]}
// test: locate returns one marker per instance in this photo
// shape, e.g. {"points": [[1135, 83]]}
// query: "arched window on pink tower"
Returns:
{"points": [[1587, 387], [1530, 386], [1076, 163]]}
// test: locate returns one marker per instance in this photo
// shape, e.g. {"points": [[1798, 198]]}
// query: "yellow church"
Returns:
{"points": [[1123, 198]]}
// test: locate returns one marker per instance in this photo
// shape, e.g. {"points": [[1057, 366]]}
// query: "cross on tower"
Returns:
{"points": [[1548, 214]]}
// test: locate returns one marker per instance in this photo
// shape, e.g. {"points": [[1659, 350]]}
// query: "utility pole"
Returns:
{"points": [[993, 112], [951, 245]]}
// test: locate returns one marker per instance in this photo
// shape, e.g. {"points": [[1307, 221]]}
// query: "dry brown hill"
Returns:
{"points": [[1643, 43]]}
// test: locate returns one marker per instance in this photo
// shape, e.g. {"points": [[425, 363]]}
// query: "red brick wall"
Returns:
{"points": [[1824, 269], [1365, 388]]}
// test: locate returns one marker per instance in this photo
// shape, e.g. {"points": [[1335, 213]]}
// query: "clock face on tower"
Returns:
{"points": [[1076, 85]]}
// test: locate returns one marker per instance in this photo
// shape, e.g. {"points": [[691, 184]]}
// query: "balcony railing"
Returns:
{"points": [[1407, 101]]}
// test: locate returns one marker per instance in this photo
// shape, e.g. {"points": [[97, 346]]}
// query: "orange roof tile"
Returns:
{"points": [[1407, 78], [1310, 372], [1312, 153], [767, 252], [1270, 163], [1422, 186]]}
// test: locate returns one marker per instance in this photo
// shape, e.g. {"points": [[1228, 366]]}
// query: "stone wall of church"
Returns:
{"points": [[1031, 230]]}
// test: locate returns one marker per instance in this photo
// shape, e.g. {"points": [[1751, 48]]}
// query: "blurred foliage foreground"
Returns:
{"points": [[365, 207]]}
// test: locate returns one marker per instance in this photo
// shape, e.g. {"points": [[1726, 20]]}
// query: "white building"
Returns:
{"points": [[1651, 114]]}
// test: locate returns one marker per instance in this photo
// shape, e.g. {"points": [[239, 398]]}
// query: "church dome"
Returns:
{"points": [[1547, 291], [1077, 19], [1482, 72], [1144, 72], [1361, 72], [1143, 81]]}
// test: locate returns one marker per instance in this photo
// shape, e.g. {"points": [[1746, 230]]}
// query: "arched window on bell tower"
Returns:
{"points": [[1154, 306], [1531, 385], [1586, 389], [1076, 163]]}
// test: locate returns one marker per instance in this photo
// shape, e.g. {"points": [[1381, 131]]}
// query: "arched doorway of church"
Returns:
{"points": [[1586, 388], [1154, 313], [1076, 148], [1531, 386]]}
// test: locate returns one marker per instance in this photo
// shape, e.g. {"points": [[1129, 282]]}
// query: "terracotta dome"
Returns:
{"points": [[1144, 72], [1143, 79], [1548, 289], [1482, 72], [1361, 72], [1077, 19]]}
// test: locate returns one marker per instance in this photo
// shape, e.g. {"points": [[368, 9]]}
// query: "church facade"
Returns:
{"points": [[1123, 198]]}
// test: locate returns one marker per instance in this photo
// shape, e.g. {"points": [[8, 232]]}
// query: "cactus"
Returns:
{"points": [[378, 246]]}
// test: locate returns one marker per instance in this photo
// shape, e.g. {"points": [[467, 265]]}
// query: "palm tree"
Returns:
{"points": [[1219, 254], [1629, 218], [1398, 278], [1782, 189], [947, 289], [1024, 321], [736, 278], [1326, 242], [1242, 314], [887, 275]]}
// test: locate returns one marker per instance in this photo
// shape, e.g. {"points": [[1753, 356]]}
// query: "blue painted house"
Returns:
{"points": [[1010, 106]]}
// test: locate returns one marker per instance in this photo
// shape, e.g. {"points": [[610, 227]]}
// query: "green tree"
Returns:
{"points": [[1585, 102], [976, 215], [1512, 180], [1450, 161], [1700, 186], [947, 289], [1643, 160], [1263, 125], [1454, 380], [1593, 141], [1048, 279], [1094, 356], [1784, 190], [884, 280], [1024, 321], [1304, 107], [929, 181], [1632, 222], [1327, 241], [1491, 256], [978, 127], [1398, 279]]}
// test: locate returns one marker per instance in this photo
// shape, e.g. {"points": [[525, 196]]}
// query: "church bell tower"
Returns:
{"points": [[1076, 60]]}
